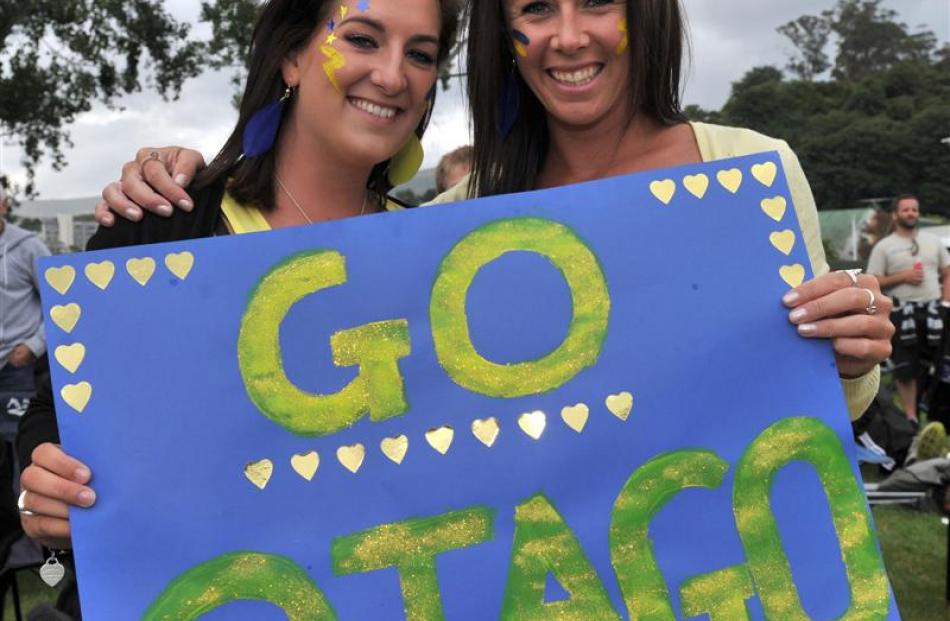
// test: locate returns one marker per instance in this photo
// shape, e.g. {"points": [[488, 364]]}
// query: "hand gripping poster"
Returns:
{"points": [[584, 403]]}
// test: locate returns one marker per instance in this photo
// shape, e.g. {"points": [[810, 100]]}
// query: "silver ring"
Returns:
{"points": [[20, 506], [871, 308], [853, 275]]}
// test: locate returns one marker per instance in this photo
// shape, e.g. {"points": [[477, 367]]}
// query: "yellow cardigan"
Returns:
{"points": [[717, 142]]}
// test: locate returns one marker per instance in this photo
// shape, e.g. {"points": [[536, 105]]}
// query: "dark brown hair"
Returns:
{"points": [[512, 164], [903, 197], [284, 27]]}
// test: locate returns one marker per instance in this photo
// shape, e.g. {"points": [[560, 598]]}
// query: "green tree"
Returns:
{"points": [[873, 127], [58, 57], [809, 34]]}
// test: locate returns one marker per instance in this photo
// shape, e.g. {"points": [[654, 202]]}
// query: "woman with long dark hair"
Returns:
{"points": [[565, 91], [337, 94]]}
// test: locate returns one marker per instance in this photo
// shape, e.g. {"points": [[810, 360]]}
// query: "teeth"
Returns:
{"points": [[581, 76], [374, 109]]}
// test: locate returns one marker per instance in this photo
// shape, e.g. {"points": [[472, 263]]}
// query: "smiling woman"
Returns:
{"points": [[337, 94]]}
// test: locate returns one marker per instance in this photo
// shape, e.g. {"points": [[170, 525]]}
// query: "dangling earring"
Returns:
{"points": [[404, 165], [509, 106], [261, 131]]}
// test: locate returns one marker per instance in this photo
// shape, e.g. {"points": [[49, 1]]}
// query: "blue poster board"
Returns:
{"points": [[581, 403]]}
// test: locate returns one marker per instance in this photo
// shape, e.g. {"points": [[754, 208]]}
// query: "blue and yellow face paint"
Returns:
{"points": [[335, 59], [521, 42], [625, 41]]}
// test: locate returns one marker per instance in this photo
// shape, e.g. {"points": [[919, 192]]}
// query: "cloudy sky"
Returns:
{"points": [[728, 38]]}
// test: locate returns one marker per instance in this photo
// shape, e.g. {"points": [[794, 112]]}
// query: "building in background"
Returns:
{"points": [[65, 224]]}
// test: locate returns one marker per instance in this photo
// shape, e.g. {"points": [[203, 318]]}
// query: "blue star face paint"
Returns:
{"points": [[521, 42], [363, 6]]}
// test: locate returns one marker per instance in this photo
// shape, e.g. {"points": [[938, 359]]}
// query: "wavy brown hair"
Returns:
{"points": [[284, 27], [513, 164]]}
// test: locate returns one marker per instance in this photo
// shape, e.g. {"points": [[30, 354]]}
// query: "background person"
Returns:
{"points": [[910, 264], [453, 167]]}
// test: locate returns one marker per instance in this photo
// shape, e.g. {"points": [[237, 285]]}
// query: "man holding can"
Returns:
{"points": [[910, 266]]}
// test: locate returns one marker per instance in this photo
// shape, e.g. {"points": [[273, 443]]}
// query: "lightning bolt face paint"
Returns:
{"points": [[521, 42], [625, 41], [334, 58]]}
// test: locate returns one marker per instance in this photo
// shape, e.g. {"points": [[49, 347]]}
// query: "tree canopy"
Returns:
{"points": [[865, 106], [58, 57]]}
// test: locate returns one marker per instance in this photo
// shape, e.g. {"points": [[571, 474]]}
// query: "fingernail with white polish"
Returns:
{"points": [[791, 297], [807, 329], [81, 474], [798, 314], [133, 214], [185, 205], [165, 210], [87, 497], [181, 180]]}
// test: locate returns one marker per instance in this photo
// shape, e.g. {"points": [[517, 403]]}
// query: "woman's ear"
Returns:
{"points": [[290, 68]]}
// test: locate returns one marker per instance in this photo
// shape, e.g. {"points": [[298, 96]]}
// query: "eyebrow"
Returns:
{"points": [[375, 24]]}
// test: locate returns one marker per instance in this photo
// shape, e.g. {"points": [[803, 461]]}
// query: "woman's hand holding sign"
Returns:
{"points": [[51, 484], [849, 309]]}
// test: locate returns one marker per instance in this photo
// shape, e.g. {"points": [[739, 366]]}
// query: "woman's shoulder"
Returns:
{"points": [[152, 229], [459, 192], [718, 142]]}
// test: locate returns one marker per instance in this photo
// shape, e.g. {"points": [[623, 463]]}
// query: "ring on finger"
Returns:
{"points": [[20, 505], [853, 275], [152, 156], [871, 308]]}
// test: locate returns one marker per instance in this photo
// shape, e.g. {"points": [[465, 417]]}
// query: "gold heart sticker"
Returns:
{"points": [[180, 264], [351, 457], [486, 430], [77, 395], [100, 274], [793, 275], [305, 464], [440, 439], [696, 184], [70, 356], [775, 208], [259, 472], [66, 317], [783, 241], [576, 416], [765, 173], [663, 190], [730, 179], [141, 269], [395, 448], [61, 278], [620, 405], [533, 423]]}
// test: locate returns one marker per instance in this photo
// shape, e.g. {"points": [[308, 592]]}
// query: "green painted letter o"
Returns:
{"points": [[589, 294]]}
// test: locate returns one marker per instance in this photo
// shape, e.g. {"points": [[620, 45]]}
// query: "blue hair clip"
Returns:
{"points": [[261, 131]]}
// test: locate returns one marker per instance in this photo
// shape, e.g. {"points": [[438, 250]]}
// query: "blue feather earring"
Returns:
{"points": [[261, 131]]}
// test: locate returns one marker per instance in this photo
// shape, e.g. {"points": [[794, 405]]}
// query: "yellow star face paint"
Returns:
{"points": [[625, 41]]}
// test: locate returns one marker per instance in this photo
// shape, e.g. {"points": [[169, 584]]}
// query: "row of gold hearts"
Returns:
{"points": [[101, 274], [783, 241], [440, 439], [697, 185]]}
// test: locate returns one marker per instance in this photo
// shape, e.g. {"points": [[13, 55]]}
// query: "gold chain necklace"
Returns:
{"points": [[300, 209]]}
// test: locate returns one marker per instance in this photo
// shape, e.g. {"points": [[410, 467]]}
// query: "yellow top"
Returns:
{"points": [[717, 142], [248, 219]]}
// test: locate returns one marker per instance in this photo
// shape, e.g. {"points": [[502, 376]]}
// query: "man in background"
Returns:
{"points": [[452, 168], [910, 265]]}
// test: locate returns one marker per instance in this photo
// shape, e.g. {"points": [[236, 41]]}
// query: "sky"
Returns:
{"points": [[728, 37]]}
